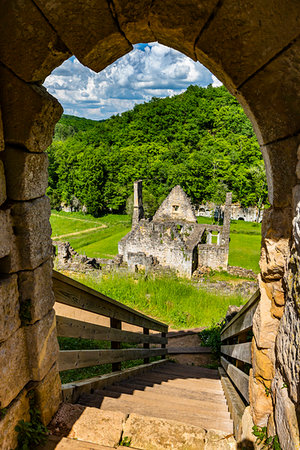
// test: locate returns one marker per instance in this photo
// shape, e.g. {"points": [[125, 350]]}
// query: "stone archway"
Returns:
{"points": [[254, 49]]}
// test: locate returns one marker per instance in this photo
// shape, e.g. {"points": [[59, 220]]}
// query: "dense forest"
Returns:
{"points": [[200, 139]]}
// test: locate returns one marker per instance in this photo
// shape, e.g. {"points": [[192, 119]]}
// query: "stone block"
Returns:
{"points": [[2, 184], [29, 45], [48, 395], [32, 229], [280, 161], [1, 133], [99, 427], [180, 29], [9, 306], [14, 373], [276, 292], [5, 233], [265, 327], [260, 402], [218, 440], [155, 433], [272, 96], [285, 417], [89, 30], [261, 363], [26, 173], [250, 32], [42, 346], [18, 410], [29, 112], [35, 289], [133, 18], [245, 436]]}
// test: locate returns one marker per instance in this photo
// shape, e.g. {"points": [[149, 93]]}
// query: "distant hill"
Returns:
{"points": [[200, 139]]}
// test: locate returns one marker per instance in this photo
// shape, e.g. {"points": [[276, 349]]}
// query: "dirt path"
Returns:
{"points": [[75, 218], [79, 232]]}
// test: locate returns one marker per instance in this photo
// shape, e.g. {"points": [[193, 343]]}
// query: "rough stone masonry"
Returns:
{"points": [[173, 238]]}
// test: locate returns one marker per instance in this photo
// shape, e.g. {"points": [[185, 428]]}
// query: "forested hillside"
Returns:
{"points": [[200, 139]]}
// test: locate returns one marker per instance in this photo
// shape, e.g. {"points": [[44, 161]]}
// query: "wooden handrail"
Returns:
{"points": [[236, 347], [72, 293]]}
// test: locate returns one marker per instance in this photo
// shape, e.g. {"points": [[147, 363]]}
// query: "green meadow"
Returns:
{"points": [[99, 237]]}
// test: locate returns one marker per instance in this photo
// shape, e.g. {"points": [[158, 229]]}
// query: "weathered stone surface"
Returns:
{"points": [[265, 326], [35, 288], [48, 395], [89, 30], [2, 184], [9, 306], [1, 133], [176, 206], [246, 437], [65, 417], [285, 417], [218, 440], [14, 373], [280, 160], [276, 232], [249, 31], [133, 18], [275, 292], [23, 28], [26, 174], [154, 433], [278, 77], [260, 402], [29, 112], [18, 410], [180, 29], [261, 363], [32, 230], [288, 349], [5, 233], [42, 346], [98, 427]]}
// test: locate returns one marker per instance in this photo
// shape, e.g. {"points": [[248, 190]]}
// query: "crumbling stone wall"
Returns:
{"points": [[238, 212], [176, 207]]}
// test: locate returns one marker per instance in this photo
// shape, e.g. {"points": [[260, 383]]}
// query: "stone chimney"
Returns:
{"points": [[138, 210], [226, 220]]}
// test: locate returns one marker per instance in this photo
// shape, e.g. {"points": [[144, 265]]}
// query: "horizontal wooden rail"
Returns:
{"points": [[242, 321], [72, 293], [242, 352], [67, 327], [76, 359], [236, 360]]}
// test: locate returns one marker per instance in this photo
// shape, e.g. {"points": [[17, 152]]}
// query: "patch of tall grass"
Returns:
{"points": [[169, 299]]}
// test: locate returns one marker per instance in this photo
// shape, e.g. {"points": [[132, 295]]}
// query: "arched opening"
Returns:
{"points": [[249, 61]]}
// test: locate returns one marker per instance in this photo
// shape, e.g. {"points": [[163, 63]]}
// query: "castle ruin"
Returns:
{"points": [[173, 238]]}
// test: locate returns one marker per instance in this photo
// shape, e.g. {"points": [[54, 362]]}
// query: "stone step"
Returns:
{"points": [[174, 411], [185, 404], [187, 384]]}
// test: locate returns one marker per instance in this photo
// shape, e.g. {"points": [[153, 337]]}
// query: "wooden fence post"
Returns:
{"points": [[146, 345], [115, 323]]}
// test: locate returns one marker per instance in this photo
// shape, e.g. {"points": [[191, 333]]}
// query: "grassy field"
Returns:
{"points": [[105, 232], [172, 300]]}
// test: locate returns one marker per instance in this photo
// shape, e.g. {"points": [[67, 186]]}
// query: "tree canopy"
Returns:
{"points": [[200, 139]]}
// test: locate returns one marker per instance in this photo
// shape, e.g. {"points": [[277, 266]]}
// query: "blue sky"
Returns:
{"points": [[149, 70]]}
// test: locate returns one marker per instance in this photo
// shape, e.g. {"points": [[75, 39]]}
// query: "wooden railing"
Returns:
{"points": [[236, 340], [72, 293]]}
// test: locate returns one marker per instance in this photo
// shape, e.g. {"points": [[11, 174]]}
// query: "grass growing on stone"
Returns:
{"points": [[172, 300]]}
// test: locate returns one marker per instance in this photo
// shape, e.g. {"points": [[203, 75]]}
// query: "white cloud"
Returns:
{"points": [[151, 70]]}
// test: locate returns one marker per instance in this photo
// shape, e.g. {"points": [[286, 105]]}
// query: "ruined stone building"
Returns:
{"points": [[173, 238]]}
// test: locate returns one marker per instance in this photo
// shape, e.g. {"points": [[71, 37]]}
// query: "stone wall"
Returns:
{"points": [[214, 256], [161, 241], [28, 342], [238, 212], [176, 207]]}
